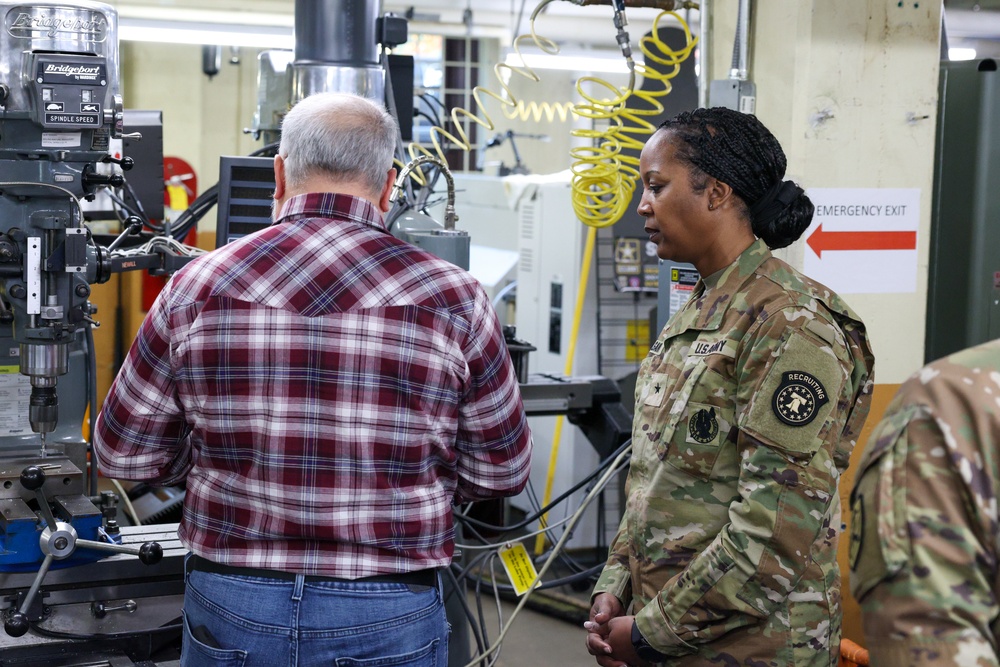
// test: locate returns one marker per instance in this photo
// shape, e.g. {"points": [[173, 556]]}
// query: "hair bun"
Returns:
{"points": [[777, 198]]}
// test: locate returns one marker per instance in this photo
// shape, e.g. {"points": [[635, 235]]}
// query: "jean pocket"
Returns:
{"points": [[196, 653], [422, 657]]}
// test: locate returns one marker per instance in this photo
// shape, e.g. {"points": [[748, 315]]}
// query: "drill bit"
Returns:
{"points": [[42, 437]]}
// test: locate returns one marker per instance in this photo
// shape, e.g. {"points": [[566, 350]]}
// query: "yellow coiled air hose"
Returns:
{"points": [[535, 111], [506, 99], [604, 178]]}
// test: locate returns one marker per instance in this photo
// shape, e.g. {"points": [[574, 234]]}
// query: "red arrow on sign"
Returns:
{"points": [[820, 241]]}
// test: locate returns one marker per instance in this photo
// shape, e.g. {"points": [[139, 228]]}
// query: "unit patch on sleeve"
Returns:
{"points": [[798, 398], [703, 426]]}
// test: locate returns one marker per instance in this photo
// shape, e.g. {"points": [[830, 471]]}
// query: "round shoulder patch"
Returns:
{"points": [[798, 398]]}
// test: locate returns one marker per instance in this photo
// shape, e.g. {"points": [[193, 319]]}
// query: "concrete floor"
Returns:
{"points": [[536, 638]]}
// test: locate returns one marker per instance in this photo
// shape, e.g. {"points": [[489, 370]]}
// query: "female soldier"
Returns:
{"points": [[747, 408]]}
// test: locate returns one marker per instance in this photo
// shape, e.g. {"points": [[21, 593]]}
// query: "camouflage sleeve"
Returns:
{"points": [[616, 577], [793, 396], [921, 563]]}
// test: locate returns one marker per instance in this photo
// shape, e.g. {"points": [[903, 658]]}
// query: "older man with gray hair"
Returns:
{"points": [[328, 392]]}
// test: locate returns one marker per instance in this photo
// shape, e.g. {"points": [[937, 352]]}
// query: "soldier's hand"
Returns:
{"points": [[605, 608], [619, 638]]}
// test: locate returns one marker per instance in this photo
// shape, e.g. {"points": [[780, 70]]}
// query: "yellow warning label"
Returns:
{"points": [[9, 370], [520, 569]]}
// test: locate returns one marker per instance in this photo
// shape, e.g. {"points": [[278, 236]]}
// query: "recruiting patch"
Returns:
{"points": [[703, 426], [798, 398], [857, 529]]}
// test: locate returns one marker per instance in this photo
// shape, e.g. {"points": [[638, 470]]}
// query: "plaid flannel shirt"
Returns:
{"points": [[327, 391]]}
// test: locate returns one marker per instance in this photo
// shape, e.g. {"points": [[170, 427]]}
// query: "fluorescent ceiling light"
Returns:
{"points": [[958, 53], [576, 63], [177, 32]]}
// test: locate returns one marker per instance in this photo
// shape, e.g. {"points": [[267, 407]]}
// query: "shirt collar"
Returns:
{"points": [[730, 278], [331, 205], [715, 292]]}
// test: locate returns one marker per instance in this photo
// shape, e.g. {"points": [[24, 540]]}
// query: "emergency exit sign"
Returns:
{"points": [[863, 240]]}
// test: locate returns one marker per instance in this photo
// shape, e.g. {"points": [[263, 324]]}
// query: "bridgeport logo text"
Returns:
{"points": [[30, 23]]}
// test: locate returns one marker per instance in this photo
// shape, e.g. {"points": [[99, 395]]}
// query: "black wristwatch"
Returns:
{"points": [[642, 647]]}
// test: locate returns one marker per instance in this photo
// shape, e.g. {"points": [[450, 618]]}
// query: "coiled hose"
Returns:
{"points": [[604, 178]]}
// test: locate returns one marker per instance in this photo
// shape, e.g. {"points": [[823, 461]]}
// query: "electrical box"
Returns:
{"points": [[733, 94], [963, 291], [677, 281]]}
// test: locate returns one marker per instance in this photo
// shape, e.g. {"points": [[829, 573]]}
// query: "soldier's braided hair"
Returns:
{"points": [[738, 150]]}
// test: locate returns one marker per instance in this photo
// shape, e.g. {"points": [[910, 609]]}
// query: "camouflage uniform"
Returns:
{"points": [[925, 541], [747, 409]]}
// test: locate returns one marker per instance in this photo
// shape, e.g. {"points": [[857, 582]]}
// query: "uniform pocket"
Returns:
{"points": [[701, 419], [660, 401]]}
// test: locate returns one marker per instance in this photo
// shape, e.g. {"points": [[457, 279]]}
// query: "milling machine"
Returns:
{"points": [[69, 575]]}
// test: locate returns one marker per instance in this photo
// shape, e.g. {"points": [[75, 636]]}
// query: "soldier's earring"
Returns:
{"points": [[711, 207]]}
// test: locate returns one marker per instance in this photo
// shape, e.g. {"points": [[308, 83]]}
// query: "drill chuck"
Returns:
{"points": [[43, 363], [43, 409]]}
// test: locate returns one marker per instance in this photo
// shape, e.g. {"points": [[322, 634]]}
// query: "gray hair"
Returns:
{"points": [[338, 135]]}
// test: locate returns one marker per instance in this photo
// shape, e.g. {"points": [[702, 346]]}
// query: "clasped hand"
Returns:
{"points": [[609, 634]]}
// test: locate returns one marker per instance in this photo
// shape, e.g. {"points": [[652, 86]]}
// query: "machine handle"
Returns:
{"points": [[134, 226], [59, 541], [33, 479], [149, 553], [100, 609], [114, 180], [17, 623], [126, 163]]}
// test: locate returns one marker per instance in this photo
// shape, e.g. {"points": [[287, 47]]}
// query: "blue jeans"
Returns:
{"points": [[241, 621]]}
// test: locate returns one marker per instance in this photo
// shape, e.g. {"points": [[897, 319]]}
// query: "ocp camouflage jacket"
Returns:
{"points": [[925, 531], [747, 409]]}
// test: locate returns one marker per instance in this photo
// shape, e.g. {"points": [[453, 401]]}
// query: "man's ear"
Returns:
{"points": [[279, 177], [383, 201]]}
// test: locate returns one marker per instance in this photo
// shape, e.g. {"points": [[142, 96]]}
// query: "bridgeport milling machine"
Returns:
{"points": [[73, 583]]}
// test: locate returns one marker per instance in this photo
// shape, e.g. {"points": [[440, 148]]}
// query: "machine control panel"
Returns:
{"points": [[68, 91]]}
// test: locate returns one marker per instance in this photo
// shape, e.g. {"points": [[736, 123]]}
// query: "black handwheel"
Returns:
{"points": [[16, 624], [150, 553]]}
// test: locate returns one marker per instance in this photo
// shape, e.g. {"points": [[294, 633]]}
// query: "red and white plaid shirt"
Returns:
{"points": [[327, 391]]}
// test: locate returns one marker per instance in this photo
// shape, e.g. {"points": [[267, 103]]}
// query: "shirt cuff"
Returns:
{"points": [[657, 631], [616, 580]]}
